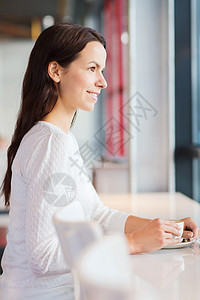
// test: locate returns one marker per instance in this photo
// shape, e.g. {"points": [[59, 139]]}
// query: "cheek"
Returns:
{"points": [[83, 81], [76, 84], [67, 86]]}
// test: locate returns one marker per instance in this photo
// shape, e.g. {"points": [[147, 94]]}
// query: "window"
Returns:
{"points": [[195, 79], [187, 97]]}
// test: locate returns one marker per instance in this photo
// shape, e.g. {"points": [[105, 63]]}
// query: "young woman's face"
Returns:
{"points": [[83, 80]]}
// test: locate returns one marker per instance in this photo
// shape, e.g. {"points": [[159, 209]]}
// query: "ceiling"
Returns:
{"points": [[19, 18]]}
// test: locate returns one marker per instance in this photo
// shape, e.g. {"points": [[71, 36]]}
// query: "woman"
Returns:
{"points": [[64, 74]]}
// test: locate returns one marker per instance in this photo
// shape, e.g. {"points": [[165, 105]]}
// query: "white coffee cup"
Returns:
{"points": [[181, 228]]}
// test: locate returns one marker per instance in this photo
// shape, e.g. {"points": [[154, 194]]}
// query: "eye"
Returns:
{"points": [[92, 69]]}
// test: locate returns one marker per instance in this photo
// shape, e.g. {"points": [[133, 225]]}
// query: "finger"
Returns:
{"points": [[168, 235], [171, 229], [190, 225], [187, 234], [195, 231], [171, 223], [194, 228], [174, 241], [171, 236]]}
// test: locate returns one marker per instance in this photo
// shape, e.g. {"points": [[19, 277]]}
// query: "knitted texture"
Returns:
{"points": [[47, 173]]}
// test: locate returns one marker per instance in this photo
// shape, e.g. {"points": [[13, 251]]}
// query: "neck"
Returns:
{"points": [[60, 118]]}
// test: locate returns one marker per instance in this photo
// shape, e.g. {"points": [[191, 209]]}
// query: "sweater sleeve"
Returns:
{"points": [[111, 220], [45, 172]]}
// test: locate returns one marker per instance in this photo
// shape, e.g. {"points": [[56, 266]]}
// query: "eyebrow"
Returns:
{"points": [[96, 63]]}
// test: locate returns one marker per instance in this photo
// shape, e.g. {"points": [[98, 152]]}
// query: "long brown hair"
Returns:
{"points": [[61, 43]]}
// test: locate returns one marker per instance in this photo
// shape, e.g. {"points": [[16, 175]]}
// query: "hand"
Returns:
{"points": [[155, 235], [190, 229]]}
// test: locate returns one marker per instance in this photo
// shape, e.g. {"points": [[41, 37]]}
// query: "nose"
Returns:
{"points": [[101, 82]]}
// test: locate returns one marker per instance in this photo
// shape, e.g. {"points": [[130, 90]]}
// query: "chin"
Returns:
{"points": [[88, 108]]}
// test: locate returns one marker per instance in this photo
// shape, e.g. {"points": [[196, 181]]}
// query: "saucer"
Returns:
{"points": [[180, 245]]}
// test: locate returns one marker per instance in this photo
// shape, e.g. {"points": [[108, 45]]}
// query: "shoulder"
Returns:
{"points": [[44, 135], [45, 144]]}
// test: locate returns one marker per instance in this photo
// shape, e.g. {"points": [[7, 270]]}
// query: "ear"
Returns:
{"points": [[54, 71]]}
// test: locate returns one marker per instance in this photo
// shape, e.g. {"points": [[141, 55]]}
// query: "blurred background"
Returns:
{"points": [[144, 133]]}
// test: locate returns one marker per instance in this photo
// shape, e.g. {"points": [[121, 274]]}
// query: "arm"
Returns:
{"points": [[111, 220], [43, 248], [134, 223], [145, 235], [150, 235]]}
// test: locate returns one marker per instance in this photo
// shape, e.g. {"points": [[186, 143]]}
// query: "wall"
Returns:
{"points": [[149, 78], [13, 60]]}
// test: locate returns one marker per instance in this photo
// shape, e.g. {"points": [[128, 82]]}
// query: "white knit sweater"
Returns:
{"points": [[47, 173]]}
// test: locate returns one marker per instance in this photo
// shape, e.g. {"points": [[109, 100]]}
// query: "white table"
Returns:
{"points": [[167, 274]]}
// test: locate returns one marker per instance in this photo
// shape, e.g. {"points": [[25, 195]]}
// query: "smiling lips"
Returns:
{"points": [[93, 95]]}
